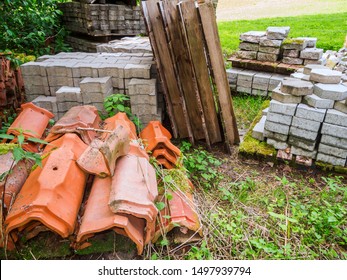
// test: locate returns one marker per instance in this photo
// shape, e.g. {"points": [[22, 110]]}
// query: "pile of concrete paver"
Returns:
{"points": [[273, 45], [307, 117], [59, 82]]}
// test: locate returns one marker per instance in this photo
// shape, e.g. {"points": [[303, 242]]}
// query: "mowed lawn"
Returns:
{"points": [[330, 29]]}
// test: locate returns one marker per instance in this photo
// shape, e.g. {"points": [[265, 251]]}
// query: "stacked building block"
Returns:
{"points": [[308, 117], [66, 98], [102, 19]]}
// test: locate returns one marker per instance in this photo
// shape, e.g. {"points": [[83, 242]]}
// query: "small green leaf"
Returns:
{"points": [[168, 196], [160, 205], [20, 139], [120, 107], [18, 154], [166, 217], [7, 136], [37, 140], [164, 242]]}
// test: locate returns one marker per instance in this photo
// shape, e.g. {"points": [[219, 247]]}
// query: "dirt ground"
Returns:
{"points": [[253, 9]]}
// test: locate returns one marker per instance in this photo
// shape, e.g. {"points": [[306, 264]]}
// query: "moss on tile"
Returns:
{"points": [[296, 41], [329, 167]]}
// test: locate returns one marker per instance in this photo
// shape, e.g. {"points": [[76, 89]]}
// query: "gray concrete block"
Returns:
{"points": [[296, 87], [56, 81], [292, 60], [301, 152], [291, 53], [277, 33], [294, 44], [310, 113], [331, 159], [30, 69], [282, 108], [334, 141], [274, 81], [314, 61], [246, 75], [137, 71], [331, 91], [265, 111], [260, 86], [302, 133], [280, 96], [306, 124], [270, 50], [252, 55], [244, 89], [244, 83], [311, 53], [143, 110], [276, 127], [309, 67], [69, 94], [249, 46], [278, 145], [264, 42], [310, 41], [341, 106], [332, 151], [317, 102], [259, 92], [258, 130], [325, 76], [142, 87], [261, 78], [252, 36], [92, 97], [274, 135], [47, 102], [95, 85], [300, 76], [334, 130], [267, 57], [279, 118], [302, 143], [66, 106], [336, 117]]}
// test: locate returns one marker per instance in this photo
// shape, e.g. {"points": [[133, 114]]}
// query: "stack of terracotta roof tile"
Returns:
{"points": [[157, 140]]}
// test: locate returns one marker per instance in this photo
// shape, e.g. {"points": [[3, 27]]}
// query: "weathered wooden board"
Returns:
{"points": [[210, 30], [165, 65], [194, 37], [185, 72]]}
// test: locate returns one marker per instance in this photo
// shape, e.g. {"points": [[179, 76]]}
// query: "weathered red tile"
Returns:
{"points": [[134, 190], [52, 194], [84, 117], [121, 119], [98, 217], [163, 153]]}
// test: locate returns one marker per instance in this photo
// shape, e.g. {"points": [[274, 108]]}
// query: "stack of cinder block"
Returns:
{"points": [[102, 19], [301, 50], [307, 117], [261, 45]]}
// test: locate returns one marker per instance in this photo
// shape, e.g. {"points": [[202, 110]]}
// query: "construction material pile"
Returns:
{"points": [[307, 117]]}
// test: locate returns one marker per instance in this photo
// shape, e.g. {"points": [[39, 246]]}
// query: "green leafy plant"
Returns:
{"points": [[201, 165], [199, 253], [119, 102], [32, 26]]}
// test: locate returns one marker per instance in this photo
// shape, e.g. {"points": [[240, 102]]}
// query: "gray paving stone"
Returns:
{"points": [[336, 117], [302, 143], [31, 69], [291, 53], [282, 108], [252, 36], [296, 87], [137, 71], [232, 74], [279, 118], [292, 60], [265, 111], [310, 41], [334, 130], [311, 53], [334, 141], [244, 46], [325, 76], [302, 152], [341, 106], [302, 133], [300, 76], [317, 102], [275, 80], [267, 57], [274, 135], [275, 127], [69, 94], [264, 42], [96, 85], [261, 78], [332, 151], [259, 92], [310, 113], [244, 89], [309, 67], [280, 96], [246, 75], [66, 106], [331, 159], [271, 50], [278, 145], [306, 124], [294, 44], [247, 55], [313, 61], [258, 86], [47, 102], [277, 33], [244, 83], [336, 92], [258, 130]]}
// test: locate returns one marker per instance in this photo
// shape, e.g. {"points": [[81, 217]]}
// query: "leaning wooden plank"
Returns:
{"points": [[167, 98], [184, 68], [209, 25], [194, 38], [165, 64]]}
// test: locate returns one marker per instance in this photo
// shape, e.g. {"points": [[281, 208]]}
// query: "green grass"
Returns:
{"points": [[330, 29]]}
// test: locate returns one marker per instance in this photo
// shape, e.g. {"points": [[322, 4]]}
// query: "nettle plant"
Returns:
{"points": [[119, 102]]}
